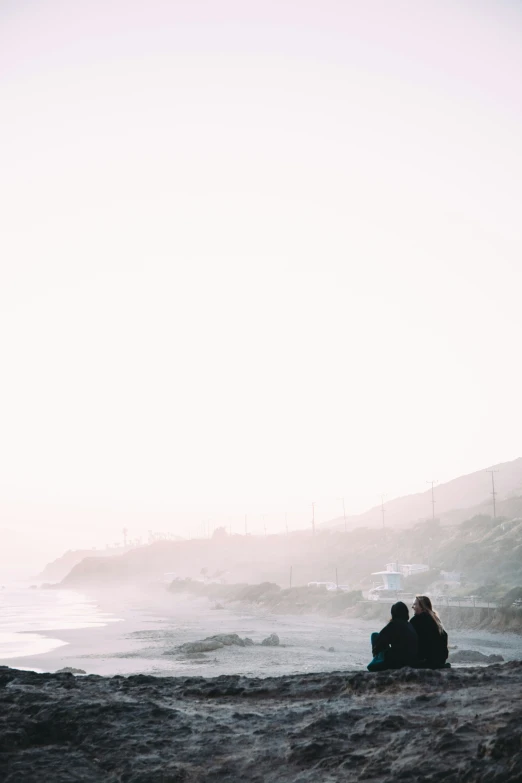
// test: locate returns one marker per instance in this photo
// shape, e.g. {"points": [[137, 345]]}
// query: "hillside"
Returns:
{"points": [[59, 568], [455, 501], [488, 553]]}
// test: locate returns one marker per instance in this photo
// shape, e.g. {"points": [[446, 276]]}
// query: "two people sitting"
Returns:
{"points": [[420, 642]]}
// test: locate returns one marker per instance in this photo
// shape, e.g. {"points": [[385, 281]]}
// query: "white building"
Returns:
{"points": [[407, 569], [410, 569], [392, 579]]}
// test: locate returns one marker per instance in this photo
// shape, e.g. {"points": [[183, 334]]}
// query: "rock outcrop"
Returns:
{"points": [[473, 656], [211, 643], [271, 641], [417, 725]]}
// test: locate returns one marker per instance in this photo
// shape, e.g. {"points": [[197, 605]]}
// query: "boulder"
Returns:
{"points": [[226, 639], [205, 645], [271, 641], [473, 656]]}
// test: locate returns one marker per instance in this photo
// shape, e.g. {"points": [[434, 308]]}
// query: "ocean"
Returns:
{"points": [[25, 613], [140, 631]]}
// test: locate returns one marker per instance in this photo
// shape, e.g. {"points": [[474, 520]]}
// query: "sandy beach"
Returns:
{"points": [[148, 626]]}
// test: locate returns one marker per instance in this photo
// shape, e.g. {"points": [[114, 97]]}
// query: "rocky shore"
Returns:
{"points": [[460, 726]]}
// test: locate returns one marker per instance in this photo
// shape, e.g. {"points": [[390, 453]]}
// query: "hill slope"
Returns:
{"points": [[455, 500]]}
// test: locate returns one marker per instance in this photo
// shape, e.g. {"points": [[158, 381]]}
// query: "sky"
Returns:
{"points": [[254, 255]]}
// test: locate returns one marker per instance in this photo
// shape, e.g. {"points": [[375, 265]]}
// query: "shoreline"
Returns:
{"points": [[153, 624]]}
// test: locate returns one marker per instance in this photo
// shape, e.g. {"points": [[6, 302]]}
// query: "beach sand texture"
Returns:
{"points": [[413, 725]]}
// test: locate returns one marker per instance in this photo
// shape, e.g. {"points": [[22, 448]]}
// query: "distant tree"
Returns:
{"points": [[220, 533]]}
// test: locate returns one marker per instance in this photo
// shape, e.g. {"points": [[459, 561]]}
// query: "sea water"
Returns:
{"points": [[27, 612]]}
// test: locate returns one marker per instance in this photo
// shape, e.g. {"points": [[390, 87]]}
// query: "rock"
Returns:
{"points": [[182, 729], [350, 725], [248, 641], [331, 649], [70, 670], [217, 606], [215, 642], [473, 656], [271, 641], [322, 647], [205, 645], [227, 639]]}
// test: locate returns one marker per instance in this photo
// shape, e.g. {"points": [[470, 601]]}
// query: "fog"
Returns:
{"points": [[253, 257]]}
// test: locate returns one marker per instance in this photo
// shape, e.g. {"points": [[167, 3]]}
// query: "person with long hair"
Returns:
{"points": [[396, 645], [433, 639]]}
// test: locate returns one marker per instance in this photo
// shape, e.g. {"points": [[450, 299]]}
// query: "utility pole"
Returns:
{"points": [[382, 511], [494, 494], [313, 519], [432, 498], [344, 515]]}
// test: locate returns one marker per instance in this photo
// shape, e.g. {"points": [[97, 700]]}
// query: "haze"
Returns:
{"points": [[253, 255]]}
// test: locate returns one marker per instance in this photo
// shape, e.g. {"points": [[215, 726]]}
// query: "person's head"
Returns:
{"points": [[422, 605], [399, 611]]}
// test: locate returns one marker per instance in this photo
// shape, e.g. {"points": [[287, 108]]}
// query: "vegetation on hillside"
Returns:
{"points": [[487, 552]]}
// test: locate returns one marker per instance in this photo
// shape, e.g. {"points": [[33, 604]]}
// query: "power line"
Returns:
{"points": [[493, 493], [432, 482]]}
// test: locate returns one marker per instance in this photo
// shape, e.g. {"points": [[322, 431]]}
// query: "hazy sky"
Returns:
{"points": [[255, 254]]}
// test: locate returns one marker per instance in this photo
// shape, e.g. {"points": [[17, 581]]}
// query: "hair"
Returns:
{"points": [[399, 611], [425, 605]]}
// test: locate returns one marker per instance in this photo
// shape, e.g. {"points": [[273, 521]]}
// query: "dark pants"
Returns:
{"points": [[378, 664]]}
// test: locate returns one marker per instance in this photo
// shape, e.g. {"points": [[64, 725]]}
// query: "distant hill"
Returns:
{"points": [[463, 537], [59, 568], [455, 501], [487, 552]]}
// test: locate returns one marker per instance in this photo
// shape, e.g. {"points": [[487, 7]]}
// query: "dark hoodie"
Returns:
{"points": [[398, 641], [433, 645]]}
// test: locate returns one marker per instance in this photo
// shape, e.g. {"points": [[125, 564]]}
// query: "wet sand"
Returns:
{"points": [[154, 623]]}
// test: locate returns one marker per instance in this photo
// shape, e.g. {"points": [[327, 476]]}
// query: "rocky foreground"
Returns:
{"points": [[455, 725]]}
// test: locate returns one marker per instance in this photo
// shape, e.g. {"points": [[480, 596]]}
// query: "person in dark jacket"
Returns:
{"points": [[433, 639], [396, 645]]}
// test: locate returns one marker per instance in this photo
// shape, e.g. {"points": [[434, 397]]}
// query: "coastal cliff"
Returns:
{"points": [[457, 726]]}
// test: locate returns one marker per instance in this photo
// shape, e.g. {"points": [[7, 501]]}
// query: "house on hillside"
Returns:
{"points": [[392, 579], [411, 569], [393, 576]]}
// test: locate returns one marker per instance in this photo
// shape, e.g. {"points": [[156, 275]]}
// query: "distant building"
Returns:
{"points": [[393, 576], [327, 585], [410, 569], [392, 579]]}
